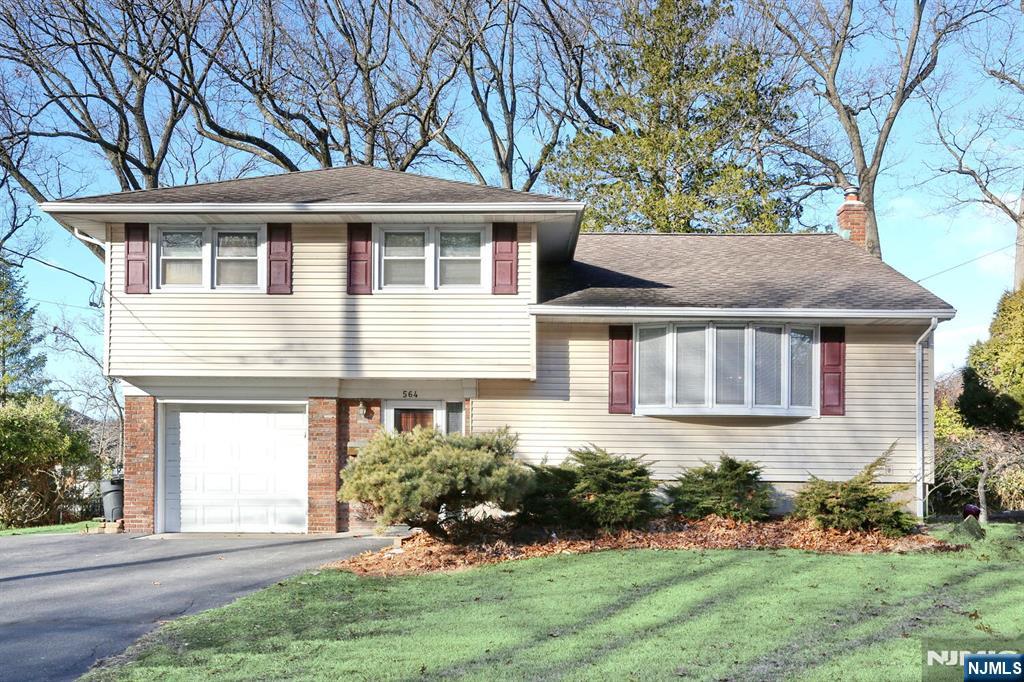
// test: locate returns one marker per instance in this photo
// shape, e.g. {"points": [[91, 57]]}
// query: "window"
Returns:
{"points": [[430, 258], [181, 258], [207, 258], [726, 368], [405, 258], [236, 261], [458, 258], [453, 418]]}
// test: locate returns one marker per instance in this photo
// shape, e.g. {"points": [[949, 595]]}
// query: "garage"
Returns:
{"points": [[235, 468]]}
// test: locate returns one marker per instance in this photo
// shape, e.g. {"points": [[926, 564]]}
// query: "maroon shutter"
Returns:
{"points": [[506, 259], [136, 258], [279, 258], [360, 258], [833, 370], [620, 369]]}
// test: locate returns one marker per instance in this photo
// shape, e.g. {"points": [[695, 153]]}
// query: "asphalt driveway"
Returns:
{"points": [[67, 601]]}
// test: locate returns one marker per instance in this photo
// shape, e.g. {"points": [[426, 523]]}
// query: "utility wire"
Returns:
{"points": [[966, 262]]}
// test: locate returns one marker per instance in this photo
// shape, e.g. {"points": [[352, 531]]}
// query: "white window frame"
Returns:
{"points": [[431, 275], [209, 259], [710, 407], [440, 416]]}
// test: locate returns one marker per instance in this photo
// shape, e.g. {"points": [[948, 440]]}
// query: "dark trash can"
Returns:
{"points": [[112, 492]]}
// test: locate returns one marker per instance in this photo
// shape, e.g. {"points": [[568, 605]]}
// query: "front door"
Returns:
{"points": [[408, 418]]}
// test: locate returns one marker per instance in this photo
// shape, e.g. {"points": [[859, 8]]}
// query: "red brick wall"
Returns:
{"points": [[359, 428], [139, 463], [324, 443]]}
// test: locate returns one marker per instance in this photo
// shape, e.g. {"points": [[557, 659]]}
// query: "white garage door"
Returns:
{"points": [[235, 469]]}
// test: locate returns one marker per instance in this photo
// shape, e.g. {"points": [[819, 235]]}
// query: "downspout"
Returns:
{"points": [[919, 350], [90, 240]]}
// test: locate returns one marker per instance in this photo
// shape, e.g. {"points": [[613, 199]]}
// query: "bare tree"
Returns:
{"points": [[92, 393], [854, 67], [508, 51], [969, 466], [333, 81], [985, 142]]}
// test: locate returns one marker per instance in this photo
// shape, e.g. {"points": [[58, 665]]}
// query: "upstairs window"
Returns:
{"points": [[208, 258], [727, 369], [432, 258], [181, 258]]}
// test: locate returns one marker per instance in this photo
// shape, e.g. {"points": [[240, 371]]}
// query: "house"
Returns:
{"points": [[264, 328]]}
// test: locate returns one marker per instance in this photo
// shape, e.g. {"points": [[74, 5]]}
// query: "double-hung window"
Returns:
{"points": [[209, 258], [432, 258], [726, 368]]}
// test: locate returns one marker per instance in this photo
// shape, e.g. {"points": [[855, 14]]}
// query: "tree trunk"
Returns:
{"points": [[982, 498], [871, 241], [1018, 256]]}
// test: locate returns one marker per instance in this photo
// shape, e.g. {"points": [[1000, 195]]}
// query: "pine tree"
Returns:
{"points": [[21, 367], [673, 146]]}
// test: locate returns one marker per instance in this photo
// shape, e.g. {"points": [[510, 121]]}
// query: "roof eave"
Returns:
{"points": [[73, 207], [549, 310]]}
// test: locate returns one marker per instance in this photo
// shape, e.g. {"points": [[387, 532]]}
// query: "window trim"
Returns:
{"points": [[431, 276], [438, 406], [710, 408], [209, 259]]}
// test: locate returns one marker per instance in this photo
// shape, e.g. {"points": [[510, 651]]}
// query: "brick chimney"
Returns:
{"points": [[852, 217]]}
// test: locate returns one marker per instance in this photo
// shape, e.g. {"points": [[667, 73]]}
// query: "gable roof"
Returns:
{"points": [[343, 184], [742, 271]]}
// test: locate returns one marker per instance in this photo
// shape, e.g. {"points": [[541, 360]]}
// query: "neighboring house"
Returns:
{"points": [[264, 328]]}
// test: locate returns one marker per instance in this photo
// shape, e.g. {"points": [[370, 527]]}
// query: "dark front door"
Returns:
{"points": [[406, 418]]}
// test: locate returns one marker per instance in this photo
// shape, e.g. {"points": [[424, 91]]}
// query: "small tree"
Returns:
{"points": [[973, 464], [43, 458], [994, 380], [21, 367]]}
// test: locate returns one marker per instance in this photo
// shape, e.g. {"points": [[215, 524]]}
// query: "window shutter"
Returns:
{"points": [[360, 258], [620, 369], [505, 267], [136, 258], [833, 370], [279, 258]]}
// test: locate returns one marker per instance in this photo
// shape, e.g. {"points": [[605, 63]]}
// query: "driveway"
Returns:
{"points": [[67, 601]]}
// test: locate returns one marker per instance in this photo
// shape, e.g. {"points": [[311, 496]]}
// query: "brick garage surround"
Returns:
{"points": [[337, 429], [359, 428], [139, 463]]}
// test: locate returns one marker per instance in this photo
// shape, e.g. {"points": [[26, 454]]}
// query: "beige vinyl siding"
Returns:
{"points": [[319, 330], [568, 406]]}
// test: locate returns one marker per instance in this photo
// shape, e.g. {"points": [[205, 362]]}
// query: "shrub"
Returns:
{"points": [[611, 491], [950, 424], [44, 458], [1009, 488], [732, 489], [549, 501], [860, 503], [426, 479]]}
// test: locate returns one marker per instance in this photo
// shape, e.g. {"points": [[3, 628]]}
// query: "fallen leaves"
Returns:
{"points": [[421, 553]]}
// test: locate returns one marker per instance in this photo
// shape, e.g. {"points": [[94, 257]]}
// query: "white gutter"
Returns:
{"points": [[91, 240], [501, 207], [546, 310], [919, 351]]}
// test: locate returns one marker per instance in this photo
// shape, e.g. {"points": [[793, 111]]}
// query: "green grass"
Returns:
{"points": [[60, 528], [610, 615]]}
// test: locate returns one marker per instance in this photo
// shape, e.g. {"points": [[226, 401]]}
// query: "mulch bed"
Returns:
{"points": [[421, 553]]}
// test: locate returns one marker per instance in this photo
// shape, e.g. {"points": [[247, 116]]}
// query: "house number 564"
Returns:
{"points": [[410, 394]]}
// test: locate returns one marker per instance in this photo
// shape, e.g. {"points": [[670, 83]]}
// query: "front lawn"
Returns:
{"points": [[60, 528], [639, 614]]}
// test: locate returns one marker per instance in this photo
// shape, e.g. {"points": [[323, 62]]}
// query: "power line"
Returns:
{"points": [[53, 265], [966, 262]]}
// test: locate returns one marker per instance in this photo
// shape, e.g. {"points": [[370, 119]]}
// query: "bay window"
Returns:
{"points": [[726, 368]]}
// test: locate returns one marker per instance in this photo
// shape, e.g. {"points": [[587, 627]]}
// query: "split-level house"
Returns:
{"points": [[264, 328]]}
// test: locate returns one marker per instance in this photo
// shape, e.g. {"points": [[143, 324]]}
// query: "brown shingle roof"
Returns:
{"points": [[346, 184], [810, 271]]}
